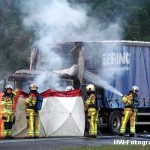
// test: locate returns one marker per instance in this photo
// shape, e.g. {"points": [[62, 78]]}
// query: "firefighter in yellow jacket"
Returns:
{"points": [[130, 110], [91, 109], [33, 120], [7, 111]]}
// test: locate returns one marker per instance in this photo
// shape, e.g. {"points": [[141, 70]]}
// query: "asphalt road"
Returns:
{"points": [[61, 143]]}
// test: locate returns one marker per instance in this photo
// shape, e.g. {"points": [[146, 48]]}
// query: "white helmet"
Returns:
{"points": [[8, 86], [33, 86], [135, 88], [90, 87], [69, 88]]}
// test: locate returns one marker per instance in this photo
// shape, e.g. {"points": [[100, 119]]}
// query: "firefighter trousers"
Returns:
{"points": [[92, 120], [6, 124], [129, 114], [33, 123]]}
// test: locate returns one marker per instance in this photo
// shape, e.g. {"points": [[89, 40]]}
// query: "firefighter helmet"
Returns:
{"points": [[33, 86], [8, 86], [135, 88], [90, 87], [69, 88]]}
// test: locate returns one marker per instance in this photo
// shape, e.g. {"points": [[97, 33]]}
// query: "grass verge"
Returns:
{"points": [[112, 147]]}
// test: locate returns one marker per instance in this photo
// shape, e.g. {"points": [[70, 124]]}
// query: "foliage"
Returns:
{"points": [[134, 16], [14, 40]]}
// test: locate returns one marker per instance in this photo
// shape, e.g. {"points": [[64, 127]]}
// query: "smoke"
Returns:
{"points": [[96, 80], [57, 21], [49, 81]]}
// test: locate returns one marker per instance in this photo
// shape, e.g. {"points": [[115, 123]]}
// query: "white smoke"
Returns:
{"points": [[51, 81], [57, 21], [100, 82]]}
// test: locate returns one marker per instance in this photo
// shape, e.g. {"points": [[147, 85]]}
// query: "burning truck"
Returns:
{"points": [[112, 66]]}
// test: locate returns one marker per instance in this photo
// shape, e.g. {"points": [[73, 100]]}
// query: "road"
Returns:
{"points": [[57, 143]]}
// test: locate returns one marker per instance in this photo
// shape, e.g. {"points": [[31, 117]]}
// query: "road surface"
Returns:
{"points": [[57, 143]]}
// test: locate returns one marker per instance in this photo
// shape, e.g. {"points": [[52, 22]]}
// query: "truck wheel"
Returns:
{"points": [[115, 122]]}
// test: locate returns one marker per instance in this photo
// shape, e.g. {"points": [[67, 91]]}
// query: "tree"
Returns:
{"points": [[134, 16], [15, 42]]}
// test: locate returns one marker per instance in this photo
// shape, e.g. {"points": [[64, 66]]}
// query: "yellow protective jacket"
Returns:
{"points": [[128, 100], [7, 102], [90, 102], [31, 102]]}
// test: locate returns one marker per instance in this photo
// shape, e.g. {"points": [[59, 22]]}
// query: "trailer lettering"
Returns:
{"points": [[115, 59]]}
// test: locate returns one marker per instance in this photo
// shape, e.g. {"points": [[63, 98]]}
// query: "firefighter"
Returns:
{"points": [[130, 110], [91, 109], [7, 111], [33, 120]]}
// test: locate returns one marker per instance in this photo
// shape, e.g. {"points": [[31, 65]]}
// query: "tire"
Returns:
{"points": [[115, 122]]}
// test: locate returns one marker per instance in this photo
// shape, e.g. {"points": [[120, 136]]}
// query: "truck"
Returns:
{"points": [[112, 66]]}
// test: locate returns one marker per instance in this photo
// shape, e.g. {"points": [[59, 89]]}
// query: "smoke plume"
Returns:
{"points": [[57, 21]]}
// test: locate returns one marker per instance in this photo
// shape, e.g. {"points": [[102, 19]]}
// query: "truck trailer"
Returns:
{"points": [[112, 66]]}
